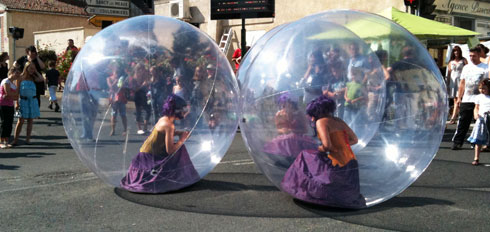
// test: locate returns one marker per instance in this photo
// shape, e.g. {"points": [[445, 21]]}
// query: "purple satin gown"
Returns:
{"points": [[326, 179], [157, 172], [283, 149]]}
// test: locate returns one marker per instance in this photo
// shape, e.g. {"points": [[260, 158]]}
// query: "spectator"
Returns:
{"points": [[52, 76], [479, 135], [355, 98], [8, 93], [357, 60], [32, 57], [335, 87], [455, 66], [237, 58], [139, 84], [74, 50], [483, 51], [161, 87], [4, 68], [28, 108], [471, 75], [71, 46], [118, 92], [315, 76]]}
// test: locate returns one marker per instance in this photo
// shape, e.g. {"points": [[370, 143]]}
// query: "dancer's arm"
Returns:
{"points": [[351, 136], [169, 130], [323, 135], [170, 146]]}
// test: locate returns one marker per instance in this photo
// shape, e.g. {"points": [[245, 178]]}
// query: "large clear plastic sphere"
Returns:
{"points": [[386, 88], [115, 94]]}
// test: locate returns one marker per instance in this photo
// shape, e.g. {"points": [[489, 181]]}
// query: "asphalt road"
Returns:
{"points": [[45, 187]]}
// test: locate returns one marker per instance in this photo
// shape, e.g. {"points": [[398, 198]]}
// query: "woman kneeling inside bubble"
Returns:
{"points": [[330, 174], [291, 124], [163, 165]]}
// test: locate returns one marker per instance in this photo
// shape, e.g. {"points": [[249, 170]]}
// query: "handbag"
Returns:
{"points": [[38, 77]]}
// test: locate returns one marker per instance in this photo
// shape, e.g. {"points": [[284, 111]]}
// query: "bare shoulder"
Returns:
{"points": [[164, 124], [323, 121]]}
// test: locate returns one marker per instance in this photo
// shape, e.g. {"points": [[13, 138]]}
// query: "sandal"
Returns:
{"points": [[485, 149], [475, 162], [452, 121]]}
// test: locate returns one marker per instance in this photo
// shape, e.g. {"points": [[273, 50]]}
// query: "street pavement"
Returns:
{"points": [[45, 187]]}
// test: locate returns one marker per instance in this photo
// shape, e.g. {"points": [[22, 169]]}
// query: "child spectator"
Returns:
{"points": [[8, 93], [479, 135], [354, 96], [52, 75]]}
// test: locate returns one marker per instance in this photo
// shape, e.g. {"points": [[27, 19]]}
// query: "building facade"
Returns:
{"points": [[285, 11], [471, 15], [35, 16], [50, 23]]}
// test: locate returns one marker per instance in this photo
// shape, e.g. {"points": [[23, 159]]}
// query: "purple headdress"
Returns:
{"points": [[321, 107], [284, 98], [174, 105]]}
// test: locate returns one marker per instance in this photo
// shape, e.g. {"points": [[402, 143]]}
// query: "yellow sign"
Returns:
{"points": [[96, 20]]}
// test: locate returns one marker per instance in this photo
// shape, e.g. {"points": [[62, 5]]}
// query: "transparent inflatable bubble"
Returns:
{"points": [[124, 87], [384, 86]]}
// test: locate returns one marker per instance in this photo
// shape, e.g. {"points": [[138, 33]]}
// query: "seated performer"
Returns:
{"points": [[163, 165], [328, 175], [291, 125]]}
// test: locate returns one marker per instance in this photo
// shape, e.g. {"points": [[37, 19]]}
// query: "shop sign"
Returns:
{"points": [[464, 6]]}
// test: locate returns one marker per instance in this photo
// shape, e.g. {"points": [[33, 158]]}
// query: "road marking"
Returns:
{"points": [[47, 185], [236, 161], [244, 163], [239, 162]]}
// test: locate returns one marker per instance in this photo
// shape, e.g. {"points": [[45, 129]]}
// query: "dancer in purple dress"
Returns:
{"points": [[163, 165], [291, 125], [328, 175]]}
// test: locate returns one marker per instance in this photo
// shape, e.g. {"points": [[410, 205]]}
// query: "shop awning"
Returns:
{"points": [[424, 28], [96, 20]]}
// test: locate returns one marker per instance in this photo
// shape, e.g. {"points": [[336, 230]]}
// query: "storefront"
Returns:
{"points": [[471, 15]]}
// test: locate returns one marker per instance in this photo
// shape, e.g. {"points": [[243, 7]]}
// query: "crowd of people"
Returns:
{"points": [[21, 88], [469, 90], [146, 82]]}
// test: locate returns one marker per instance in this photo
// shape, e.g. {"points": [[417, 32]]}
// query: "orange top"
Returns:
{"points": [[344, 153]]}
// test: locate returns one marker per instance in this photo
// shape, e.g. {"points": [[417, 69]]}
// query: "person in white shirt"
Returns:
{"points": [[479, 135], [471, 76]]}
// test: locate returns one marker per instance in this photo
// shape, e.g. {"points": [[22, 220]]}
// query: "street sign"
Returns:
{"points": [[107, 11], [109, 3]]}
